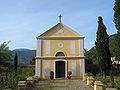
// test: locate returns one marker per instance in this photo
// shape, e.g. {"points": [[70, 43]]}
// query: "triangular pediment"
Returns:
{"points": [[60, 30]]}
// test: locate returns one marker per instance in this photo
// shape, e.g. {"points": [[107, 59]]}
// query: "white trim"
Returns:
{"points": [[47, 68], [73, 68], [65, 67], [38, 68], [82, 67], [59, 51], [72, 46], [81, 47], [47, 47], [38, 48]]}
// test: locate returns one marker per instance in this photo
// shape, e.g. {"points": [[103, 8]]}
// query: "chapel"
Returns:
{"points": [[61, 50]]}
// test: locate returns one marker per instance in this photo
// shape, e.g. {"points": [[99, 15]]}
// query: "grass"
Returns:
{"points": [[12, 79], [107, 82]]}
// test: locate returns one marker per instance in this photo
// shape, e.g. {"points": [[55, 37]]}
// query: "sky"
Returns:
{"points": [[21, 21]]}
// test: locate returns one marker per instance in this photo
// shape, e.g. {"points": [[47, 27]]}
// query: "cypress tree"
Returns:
{"points": [[117, 14], [102, 48], [117, 25], [15, 62]]}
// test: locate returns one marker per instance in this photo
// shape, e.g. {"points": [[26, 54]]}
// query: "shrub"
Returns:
{"points": [[117, 85], [93, 68], [89, 74], [13, 78], [99, 74], [69, 73], [51, 73]]}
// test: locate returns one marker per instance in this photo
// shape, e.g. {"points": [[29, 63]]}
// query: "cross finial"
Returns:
{"points": [[60, 18]]}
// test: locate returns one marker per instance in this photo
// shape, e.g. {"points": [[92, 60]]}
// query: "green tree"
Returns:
{"points": [[15, 62], [5, 57], [90, 57], [5, 54], [116, 47], [102, 48], [117, 14], [32, 62]]}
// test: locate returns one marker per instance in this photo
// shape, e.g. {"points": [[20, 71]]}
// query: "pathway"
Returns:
{"points": [[61, 85]]}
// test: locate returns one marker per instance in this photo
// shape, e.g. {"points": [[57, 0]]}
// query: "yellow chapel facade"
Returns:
{"points": [[60, 49]]}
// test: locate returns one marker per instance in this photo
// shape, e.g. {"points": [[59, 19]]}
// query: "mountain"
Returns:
{"points": [[22, 49], [24, 55], [111, 38]]}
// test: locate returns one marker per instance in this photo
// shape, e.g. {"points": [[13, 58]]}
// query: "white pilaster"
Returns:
{"points": [[47, 68], [73, 68], [81, 47], [72, 46], [47, 47], [38, 68], [38, 61], [82, 67], [38, 48]]}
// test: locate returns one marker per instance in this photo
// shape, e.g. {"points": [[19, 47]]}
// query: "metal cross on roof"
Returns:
{"points": [[60, 18]]}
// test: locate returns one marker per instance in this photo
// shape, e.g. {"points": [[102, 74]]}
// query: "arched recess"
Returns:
{"points": [[60, 54]]}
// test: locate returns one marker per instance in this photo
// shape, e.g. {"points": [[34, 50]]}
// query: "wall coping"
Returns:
{"points": [[98, 83]]}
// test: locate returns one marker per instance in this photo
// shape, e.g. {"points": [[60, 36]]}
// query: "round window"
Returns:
{"points": [[60, 30], [60, 45]]}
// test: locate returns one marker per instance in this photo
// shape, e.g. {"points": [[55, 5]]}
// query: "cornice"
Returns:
{"points": [[60, 57], [63, 38]]}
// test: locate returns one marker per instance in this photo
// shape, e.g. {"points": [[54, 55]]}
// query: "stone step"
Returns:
{"points": [[62, 85]]}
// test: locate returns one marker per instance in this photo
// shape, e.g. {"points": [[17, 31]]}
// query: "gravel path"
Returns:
{"points": [[61, 85]]}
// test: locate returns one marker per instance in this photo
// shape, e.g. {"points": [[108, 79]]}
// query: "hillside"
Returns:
{"points": [[111, 38], [25, 55]]}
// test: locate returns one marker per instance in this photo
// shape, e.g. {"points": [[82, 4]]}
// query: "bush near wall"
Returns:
{"points": [[13, 78], [93, 68], [107, 82]]}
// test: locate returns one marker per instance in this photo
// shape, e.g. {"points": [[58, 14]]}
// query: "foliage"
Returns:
{"points": [[90, 57], [89, 74], [116, 47], [111, 76], [4, 53], [107, 81], [102, 48], [32, 62], [11, 81], [117, 84], [29, 84], [13, 78], [117, 14], [15, 62], [51, 73], [93, 68], [69, 73], [99, 74]]}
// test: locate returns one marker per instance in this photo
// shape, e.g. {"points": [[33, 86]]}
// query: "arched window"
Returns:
{"points": [[60, 54]]}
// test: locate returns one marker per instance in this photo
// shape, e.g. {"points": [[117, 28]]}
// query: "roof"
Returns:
{"points": [[58, 31]]}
